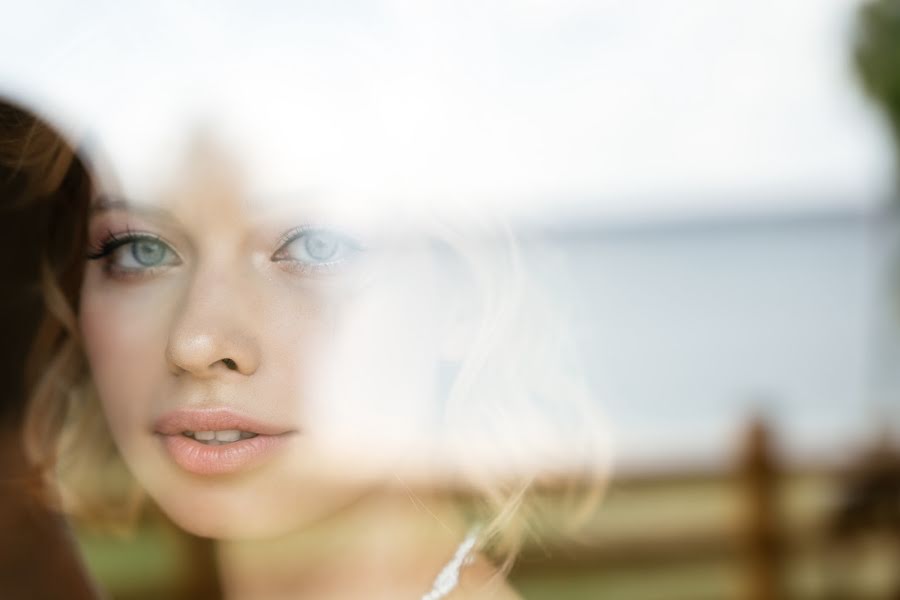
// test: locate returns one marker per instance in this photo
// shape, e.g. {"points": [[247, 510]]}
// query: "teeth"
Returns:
{"points": [[229, 435], [216, 438]]}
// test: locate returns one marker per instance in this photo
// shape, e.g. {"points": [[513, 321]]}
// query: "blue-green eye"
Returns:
{"points": [[148, 253], [134, 253], [142, 253], [315, 248]]}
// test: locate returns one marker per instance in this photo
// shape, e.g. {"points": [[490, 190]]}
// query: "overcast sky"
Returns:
{"points": [[605, 107]]}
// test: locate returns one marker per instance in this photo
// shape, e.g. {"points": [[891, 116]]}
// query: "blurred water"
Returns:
{"points": [[687, 328]]}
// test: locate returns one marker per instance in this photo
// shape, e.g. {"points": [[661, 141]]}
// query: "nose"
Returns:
{"points": [[212, 333]]}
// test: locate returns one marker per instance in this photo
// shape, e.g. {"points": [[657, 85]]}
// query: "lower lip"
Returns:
{"points": [[203, 459]]}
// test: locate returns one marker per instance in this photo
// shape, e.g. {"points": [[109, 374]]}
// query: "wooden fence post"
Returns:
{"points": [[761, 544]]}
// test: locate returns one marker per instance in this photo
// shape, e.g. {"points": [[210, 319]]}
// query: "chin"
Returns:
{"points": [[217, 528], [226, 516], [246, 512]]}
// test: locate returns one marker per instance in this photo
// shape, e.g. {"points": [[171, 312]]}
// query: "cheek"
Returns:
{"points": [[125, 347], [375, 390]]}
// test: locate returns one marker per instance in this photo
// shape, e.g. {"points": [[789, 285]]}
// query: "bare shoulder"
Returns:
{"points": [[481, 581]]}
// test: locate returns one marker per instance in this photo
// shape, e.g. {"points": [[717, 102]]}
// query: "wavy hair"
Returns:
{"points": [[64, 431]]}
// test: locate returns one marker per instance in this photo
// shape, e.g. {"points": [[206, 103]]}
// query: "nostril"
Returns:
{"points": [[230, 364]]}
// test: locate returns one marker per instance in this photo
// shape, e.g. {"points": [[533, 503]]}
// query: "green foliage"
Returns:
{"points": [[877, 57]]}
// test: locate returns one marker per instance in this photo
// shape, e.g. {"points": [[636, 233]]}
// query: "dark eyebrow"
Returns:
{"points": [[104, 203]]}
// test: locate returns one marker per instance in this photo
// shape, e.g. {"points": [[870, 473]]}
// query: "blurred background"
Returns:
{"points": [[710, 191]]}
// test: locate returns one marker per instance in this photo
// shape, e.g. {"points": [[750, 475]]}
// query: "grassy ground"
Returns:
{"points": [[669, 538]]}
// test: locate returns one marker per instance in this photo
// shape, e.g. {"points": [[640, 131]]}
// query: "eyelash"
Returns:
{"points": [[112, 242], [305, 268]]}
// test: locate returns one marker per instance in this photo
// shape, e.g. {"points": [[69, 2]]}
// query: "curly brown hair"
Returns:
{"points": [[40, 167]]}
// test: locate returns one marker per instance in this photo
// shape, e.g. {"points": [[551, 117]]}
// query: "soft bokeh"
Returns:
{"points": [[704, 192]]}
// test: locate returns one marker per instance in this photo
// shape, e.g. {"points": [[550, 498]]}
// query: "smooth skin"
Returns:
{"points": [[202, 295]]}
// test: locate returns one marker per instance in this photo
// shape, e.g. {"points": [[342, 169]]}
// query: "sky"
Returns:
{"points": [[605, 109]]}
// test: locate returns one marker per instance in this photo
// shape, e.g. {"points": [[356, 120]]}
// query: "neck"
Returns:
{"points": [[389, 544]]}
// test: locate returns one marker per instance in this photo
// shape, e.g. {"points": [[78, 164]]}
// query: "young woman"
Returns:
{"points": [[354, 395]]}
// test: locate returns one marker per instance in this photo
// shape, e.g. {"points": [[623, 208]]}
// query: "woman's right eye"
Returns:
{"points": [[135, 253]]}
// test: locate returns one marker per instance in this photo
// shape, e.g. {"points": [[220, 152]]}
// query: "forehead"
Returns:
{"points": [[261, 158], [205, 176]]}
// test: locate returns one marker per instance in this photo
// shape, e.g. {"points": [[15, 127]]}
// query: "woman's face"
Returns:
{"points": [[259, 362]]}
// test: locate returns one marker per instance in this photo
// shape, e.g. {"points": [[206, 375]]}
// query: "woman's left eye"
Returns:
{"points": [[317, 249]]}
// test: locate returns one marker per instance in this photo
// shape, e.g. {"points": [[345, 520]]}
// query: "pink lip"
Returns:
{"points": [[202, 459]]}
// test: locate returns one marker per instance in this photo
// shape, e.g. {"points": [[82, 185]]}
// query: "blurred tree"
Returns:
{"points": [[877, 57], [870, 502]]}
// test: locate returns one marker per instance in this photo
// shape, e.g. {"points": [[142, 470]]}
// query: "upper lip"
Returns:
{"points": [[213, 419]]}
